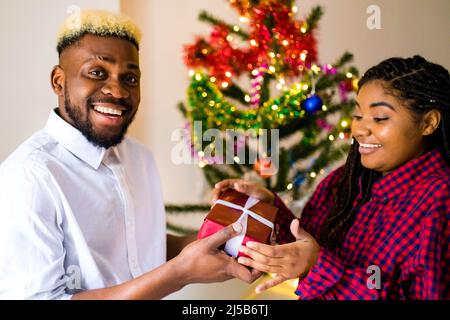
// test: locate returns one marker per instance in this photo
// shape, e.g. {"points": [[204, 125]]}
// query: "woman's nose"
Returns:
{"points": [[361, 128]]}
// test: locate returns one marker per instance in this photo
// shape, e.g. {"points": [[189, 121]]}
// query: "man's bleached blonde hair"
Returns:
{"points": [[99, 23]]}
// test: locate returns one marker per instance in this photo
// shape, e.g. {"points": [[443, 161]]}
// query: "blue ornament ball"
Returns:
{"points": [[312, 104]]}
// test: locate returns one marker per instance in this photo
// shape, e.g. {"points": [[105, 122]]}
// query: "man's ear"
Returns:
{"points": [[431, 121], [57, 80]]}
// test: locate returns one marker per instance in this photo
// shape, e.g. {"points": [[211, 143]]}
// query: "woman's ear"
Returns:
{"points": [[431, 121], [57, 80]]}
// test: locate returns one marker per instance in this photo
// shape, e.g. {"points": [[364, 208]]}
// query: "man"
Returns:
{"points": [[81, 211]]}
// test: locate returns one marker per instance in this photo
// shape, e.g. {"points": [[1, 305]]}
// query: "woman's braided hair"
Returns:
{"points": [[422, 86]]}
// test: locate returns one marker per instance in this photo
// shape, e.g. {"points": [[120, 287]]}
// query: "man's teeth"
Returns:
{"points": [[367, 145], [108, 110]]}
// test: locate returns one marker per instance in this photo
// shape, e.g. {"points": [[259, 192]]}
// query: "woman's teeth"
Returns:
{"points": [[368, 145], [109, 111]]}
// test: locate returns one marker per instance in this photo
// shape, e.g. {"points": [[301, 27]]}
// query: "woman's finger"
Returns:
{"points": [[270, 283]]}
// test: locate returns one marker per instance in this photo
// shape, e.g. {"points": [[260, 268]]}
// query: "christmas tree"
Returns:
{"points": [[258, 75]]}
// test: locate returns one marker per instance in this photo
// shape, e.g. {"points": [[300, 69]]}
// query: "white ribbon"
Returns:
{"points": [[232, 245]]}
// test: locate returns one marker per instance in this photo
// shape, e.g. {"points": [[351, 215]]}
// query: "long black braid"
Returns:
{"points": [[422, 86]]}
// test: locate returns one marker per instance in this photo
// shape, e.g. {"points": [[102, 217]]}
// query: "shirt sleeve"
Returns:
{"points": [[331, 279], [426, 275], [31, 238], [313, 214]]}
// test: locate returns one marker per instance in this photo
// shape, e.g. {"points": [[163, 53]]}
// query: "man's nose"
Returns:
{"points": [[114, 88]]}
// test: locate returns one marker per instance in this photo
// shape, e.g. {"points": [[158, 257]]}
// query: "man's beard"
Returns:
{"points": [[86, 127]]}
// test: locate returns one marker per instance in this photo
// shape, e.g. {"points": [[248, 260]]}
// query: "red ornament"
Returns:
{"points": [[264, 168]]}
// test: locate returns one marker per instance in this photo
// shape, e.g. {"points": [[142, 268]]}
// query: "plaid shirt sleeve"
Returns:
{"points": [[331, 279], [313, 214], [427, 272]]}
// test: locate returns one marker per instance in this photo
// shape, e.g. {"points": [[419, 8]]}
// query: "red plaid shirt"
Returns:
{"points": [[403, 230]]}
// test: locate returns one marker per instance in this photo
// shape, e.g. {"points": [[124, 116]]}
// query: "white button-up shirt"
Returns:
{"points": [[74, 216]]}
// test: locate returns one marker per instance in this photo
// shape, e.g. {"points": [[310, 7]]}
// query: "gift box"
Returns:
{"points": [[257, 219]]}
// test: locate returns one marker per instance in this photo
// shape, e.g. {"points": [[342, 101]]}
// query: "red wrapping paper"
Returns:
{"points": [[221, 216]]}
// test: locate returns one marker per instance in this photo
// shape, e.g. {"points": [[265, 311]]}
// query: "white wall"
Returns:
{"points": [[28, 30]]}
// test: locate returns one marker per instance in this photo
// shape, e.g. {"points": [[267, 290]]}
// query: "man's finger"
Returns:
{"points": [[217, 239], [239, 271], [269, 284], [256, 274]]}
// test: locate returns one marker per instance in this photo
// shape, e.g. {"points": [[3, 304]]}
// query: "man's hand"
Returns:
{"points": [[251, 189], [287, 261], [202, 262]]}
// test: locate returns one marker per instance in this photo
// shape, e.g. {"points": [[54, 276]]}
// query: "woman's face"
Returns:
{"points": [[387, 132]]}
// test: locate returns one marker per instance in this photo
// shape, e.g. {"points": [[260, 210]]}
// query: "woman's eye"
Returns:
{"points": [[356, 117], [380, 119]]}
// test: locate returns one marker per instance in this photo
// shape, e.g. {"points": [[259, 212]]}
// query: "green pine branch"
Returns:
{"points": [[314, 17]]}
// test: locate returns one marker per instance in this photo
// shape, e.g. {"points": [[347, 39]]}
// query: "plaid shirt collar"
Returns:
{"points": [[394, 183]]}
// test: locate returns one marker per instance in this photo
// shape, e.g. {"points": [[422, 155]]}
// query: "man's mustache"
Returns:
{"points": [[120, 102]]}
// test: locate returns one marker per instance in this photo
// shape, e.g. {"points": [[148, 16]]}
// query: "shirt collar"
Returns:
{"points": [[407, 175], [74, 141]]}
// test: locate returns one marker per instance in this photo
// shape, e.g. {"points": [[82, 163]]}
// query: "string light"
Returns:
{"points": [[289, 186], [236, 159], [331, 137], [303, 56], [191, 72], [236, 28], [313, 174], [349, 75]]}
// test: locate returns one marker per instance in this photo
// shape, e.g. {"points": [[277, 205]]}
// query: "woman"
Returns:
{"points": [[378, 227]]}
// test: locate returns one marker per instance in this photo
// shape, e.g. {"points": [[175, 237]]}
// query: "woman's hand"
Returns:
{"points": [[251, 189], [287, 261]]}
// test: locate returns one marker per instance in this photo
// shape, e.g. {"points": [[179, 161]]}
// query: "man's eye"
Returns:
{"points": [[132, 80], [97, 73]]}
